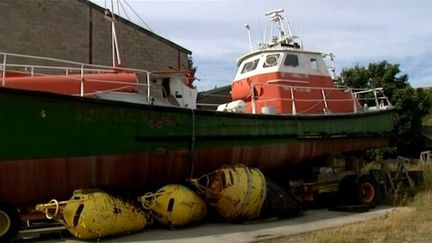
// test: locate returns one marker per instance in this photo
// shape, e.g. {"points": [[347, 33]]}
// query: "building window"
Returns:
{"points": [[314, 64], [291, 60], [249, 66], [271, 60]]}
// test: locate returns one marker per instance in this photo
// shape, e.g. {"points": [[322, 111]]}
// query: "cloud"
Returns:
{"points": [[419, 69], [355, 31]]}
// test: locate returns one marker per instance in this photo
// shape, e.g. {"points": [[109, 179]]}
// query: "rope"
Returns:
{"points": [[147, 200], [201, 189]]}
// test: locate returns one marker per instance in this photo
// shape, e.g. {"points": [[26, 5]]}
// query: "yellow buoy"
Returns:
{"points": [[95, 215], [227, 191], [175, 205], [236, 192], [256, 194]]}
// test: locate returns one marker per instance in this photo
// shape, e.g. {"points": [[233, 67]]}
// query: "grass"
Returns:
{"points": [[400, 226], [413, 224]]}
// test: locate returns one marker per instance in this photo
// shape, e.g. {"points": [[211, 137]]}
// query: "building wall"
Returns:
{"points": [[78, 30]]}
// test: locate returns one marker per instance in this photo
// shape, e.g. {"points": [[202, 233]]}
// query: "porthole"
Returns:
{"points": [[271, 60], [249, 66]]}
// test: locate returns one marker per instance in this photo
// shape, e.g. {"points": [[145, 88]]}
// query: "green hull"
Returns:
{"points": [[64, 142]]}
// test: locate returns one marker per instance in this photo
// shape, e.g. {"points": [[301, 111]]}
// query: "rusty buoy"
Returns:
{"points": [[94, 215], [174, 205]]}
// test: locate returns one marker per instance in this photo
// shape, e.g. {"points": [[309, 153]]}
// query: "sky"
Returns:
{"points": [[356, 32]]}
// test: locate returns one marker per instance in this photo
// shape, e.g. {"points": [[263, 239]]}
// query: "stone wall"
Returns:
{"points": [[78, 30]]}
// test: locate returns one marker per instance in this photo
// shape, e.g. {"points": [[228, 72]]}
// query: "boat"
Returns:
{"points": [[142, 132]]}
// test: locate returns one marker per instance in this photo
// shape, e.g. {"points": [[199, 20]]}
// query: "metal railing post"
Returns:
{"points": [[324, 99], [293, 109], [4, 71], [82, 81], [354, 98], [252, 90], [376, 98], [148, 87]]}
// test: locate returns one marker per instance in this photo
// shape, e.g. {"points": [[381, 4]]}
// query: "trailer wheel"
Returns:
{"points": [[9, 221], [367, 191], [347, 190]]}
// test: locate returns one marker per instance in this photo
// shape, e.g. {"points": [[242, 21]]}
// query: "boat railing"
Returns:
{"points": [[362, 100], [67, 65], [374, 96], [19, 64]]}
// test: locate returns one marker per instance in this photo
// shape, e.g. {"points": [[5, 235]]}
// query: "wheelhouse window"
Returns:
{"points": [[249, 66], [291, 60], [314, 64], [271, 60]]}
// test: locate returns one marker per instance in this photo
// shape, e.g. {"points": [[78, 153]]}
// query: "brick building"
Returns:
{"points": [[77, 30]]}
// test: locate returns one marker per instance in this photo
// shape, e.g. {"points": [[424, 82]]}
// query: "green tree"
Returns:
{"points": [[427, 121], [380, 74], [412, 105]]}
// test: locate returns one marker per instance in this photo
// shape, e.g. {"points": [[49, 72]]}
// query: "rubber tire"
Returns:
{"points": [[367, 190], [15, 221], [355, 190], [347, 190]]}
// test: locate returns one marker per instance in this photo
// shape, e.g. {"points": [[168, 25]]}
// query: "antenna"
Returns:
{"points": [[332, 66], [249, 34], [283, 36], [301, 29], [277, 11]]}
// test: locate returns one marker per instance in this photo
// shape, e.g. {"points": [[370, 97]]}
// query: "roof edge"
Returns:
{"points": [[133, 25]]}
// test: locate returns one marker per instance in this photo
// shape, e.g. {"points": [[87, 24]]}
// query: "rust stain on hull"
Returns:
{"points": [[25, 182]]}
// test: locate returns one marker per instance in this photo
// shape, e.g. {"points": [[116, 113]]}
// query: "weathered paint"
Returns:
{"points": [[236, 193], [71, 84], [94, 215], [52, 144], [310, 94], [174, 205]]}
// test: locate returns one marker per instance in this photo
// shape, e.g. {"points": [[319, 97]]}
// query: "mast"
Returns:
{"points": [[116, 60], [250, 38], [284, 36]]}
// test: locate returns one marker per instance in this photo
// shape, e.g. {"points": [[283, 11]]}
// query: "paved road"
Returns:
{"points": [[224, 232]]}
